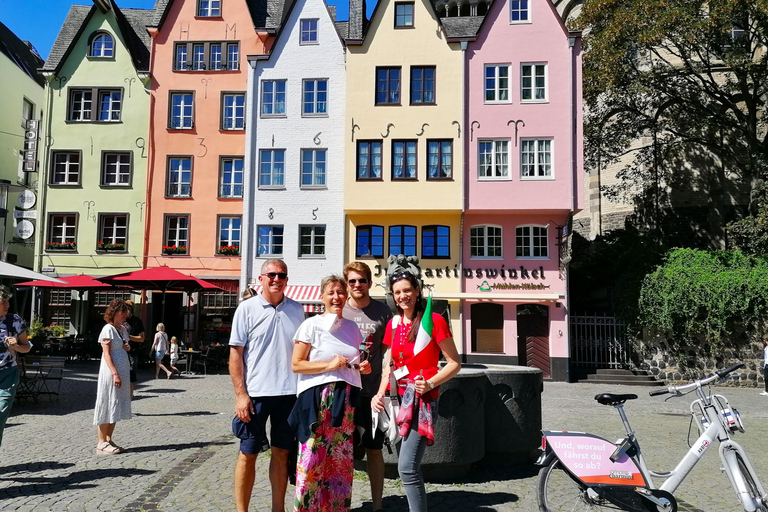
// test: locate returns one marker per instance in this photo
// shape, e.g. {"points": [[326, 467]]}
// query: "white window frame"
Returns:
{"points": [[486, 247], [235, 174], [229, 239], [314, 102], [112, 111], [314, 245], [272, 241], [212, 11], [532, 66], [315, 170], [103, 50], [529, 240], [537, 156], [186, 120], [234, 113], [67, 227], [72, 170], [272, 174], [527, 10], [109, 233], [497, 89], [275, 94], [179, 182], [494, 164], [113, 172], [173, 231], [305, 27]]}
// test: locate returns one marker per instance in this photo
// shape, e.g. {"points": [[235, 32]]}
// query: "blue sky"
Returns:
{"points": [[39, 21]]}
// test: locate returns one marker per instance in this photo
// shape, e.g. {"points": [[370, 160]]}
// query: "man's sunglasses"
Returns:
{"points": [[362, 280], [279, 275]]}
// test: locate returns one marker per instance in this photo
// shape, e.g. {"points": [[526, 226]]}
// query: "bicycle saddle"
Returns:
{"points": [[613, 399]]}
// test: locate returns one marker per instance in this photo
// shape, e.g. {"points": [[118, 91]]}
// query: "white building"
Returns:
{"points": [[294, 155]]}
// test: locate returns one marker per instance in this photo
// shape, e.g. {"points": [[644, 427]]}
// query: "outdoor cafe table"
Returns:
{"points": [[190, 355]]}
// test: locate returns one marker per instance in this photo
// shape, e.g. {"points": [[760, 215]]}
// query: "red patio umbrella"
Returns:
{"points": [[159, 278], [81, 282]]}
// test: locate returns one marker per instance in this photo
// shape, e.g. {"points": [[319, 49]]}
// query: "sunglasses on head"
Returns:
{"points": [[279, 275], [362, 280], [401, 275]]}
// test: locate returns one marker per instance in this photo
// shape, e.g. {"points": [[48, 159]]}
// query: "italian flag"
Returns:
{"points": [[423, 337]]}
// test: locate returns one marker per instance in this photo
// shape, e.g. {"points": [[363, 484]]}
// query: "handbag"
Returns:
{"points": [[385, 420]]}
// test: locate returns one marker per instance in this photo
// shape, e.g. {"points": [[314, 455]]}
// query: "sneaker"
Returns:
{"points": [[764, 393]]}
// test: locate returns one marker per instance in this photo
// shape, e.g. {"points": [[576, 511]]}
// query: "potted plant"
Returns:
{"points": [[231, 250], [174, 249], [56, 330], [102, 246], [60, 246]]}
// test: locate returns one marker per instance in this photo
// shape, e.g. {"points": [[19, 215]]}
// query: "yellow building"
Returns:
{"points": [[404, 179]]}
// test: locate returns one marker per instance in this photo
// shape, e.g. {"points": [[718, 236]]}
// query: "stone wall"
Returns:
{"points": [[653, 357]]}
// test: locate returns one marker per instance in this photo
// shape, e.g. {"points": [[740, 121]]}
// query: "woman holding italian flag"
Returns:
{"points": [[415, 337]]}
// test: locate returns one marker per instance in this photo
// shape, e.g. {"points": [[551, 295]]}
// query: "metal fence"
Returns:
{"points": [[599, 341]]}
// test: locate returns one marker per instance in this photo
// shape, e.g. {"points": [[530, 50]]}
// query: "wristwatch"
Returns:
{"points": [[431, 386]]}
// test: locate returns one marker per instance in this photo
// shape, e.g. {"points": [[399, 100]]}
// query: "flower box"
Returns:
{"points": [[60, 246], [174, 249], [229, 250], [101, 246]]}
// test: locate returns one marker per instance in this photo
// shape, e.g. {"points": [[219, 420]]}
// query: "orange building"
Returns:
{"points": [[197, 141]]}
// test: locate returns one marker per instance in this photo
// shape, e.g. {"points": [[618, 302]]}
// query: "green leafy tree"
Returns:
{"points": [[677, 92]]}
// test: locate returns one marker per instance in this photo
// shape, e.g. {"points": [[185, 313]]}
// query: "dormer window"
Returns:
{"points": [[404, 15], [209, 8], [102, 46]]}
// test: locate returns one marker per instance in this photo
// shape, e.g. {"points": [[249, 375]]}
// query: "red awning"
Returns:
{"points": [[308, 296], [81, 282]]}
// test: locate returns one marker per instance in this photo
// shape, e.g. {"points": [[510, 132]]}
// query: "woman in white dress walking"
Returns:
{"points": [[113, 397], [159, 349]]}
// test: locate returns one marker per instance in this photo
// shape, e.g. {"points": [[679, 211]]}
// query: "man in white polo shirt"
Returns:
{"points": [[261, 347]]}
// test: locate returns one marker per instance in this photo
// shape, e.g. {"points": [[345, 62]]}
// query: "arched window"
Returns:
{"points": [[464, 10], [482, 8], [453, 11], [102, 45]]}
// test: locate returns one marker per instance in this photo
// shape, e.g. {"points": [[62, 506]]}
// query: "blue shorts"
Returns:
{"points": [[159, 354], [253, 435]]}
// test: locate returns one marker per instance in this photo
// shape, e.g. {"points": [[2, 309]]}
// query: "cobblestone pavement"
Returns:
{"points": [[180, 452]]}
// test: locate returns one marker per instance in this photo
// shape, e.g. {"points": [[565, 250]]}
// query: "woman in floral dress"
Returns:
{"points": [[326, 357]]}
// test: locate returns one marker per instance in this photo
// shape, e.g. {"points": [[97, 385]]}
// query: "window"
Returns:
{"points": [[388, 86], [404, 159], [271, 168], [229, 233], [313, 167], [66, 168], [27, 112], [519, 11], [179, 182], [207, 56], [220, 300], [113, 230], [533, 82], [273, 97], [402, 240], [102, 46], [423, 85], [315, 97], [103, 299], [177, 231], [311, 241], [439, 159], [369, 160], [308, 32], [497, 83], [182, 111], [116, 170], [493, 159], [370, 242], [209, 8], [435, 242], [62, 234], [233, 111], [81, 107], [59, 297], [485, 242], [403, 14], [531, 242], [231, 177], [536, 158], [270, 240]]}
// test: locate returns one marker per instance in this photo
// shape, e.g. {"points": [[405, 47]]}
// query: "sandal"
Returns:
{"points": [[107, 448]]}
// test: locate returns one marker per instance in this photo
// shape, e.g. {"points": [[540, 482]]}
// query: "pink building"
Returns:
{"points": [[524, 182], [197, 144]]}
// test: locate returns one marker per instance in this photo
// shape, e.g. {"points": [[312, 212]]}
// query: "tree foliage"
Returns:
{"points": [[705, 299], [750, 234], [683, 80]]}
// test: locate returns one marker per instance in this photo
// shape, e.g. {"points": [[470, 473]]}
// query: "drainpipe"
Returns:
{"points": [[574, 181], [464, 193], [246, 252]]}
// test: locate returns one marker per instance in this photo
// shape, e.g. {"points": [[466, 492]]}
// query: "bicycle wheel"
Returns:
{"points": [[560, 492], [751, 485]]}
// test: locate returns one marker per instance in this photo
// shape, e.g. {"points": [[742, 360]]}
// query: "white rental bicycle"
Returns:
{"points": [[586, 472]]}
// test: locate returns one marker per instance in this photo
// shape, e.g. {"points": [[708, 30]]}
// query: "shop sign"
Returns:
{"points": [[26, 199], [21, 214], [485, 286], [25, 229], [521, 272], [30, 144]]}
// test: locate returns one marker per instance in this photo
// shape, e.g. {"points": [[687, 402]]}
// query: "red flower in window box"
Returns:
{"points": [[174, 249], [231, 250], [101, 246], [60, 246]]}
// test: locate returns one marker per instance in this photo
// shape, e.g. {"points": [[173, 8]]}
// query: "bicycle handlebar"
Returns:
{"points": [[679, 390]]}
